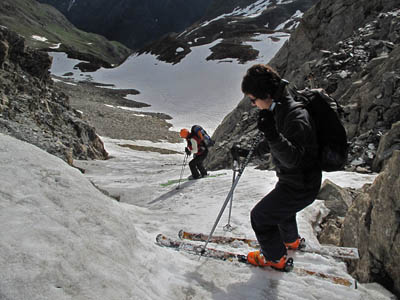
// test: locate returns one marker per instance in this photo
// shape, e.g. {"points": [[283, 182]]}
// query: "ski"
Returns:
{"points": [[173, 181], [334, 251], [194, 249]]}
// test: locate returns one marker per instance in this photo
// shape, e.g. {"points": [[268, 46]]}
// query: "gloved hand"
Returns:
{"points": [[236, 152], [266, 124], [187, 151]]}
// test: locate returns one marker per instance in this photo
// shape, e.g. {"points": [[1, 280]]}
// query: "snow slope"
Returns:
{"points": [[63, 239]]}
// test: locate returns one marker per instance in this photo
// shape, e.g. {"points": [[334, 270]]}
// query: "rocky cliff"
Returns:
{"points": [[33, 111], [372, 225], [357, 63]]}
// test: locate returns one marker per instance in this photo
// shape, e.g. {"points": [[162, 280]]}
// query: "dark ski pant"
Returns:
{"points": [[274, 218], [196, 165]]}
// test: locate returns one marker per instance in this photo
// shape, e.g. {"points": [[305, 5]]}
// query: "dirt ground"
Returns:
{"points": [[101, 107]]}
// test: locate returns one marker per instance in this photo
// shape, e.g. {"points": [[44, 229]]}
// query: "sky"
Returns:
{"points": [[67, 240]]}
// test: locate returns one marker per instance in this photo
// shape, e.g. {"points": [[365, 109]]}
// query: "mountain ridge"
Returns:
{"points": [[131, 22], [47, 29], [234, 26]]}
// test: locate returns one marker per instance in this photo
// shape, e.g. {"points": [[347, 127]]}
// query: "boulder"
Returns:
{"points": [[337, 199], [372, 225]]}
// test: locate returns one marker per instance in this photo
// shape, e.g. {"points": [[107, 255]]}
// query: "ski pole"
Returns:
{"points": [[183, 167], [254, 145], [235, 168]]}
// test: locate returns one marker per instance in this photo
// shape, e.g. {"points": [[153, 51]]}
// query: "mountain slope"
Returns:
{"points": [[131, 22], [37, 21], [232, 24]]}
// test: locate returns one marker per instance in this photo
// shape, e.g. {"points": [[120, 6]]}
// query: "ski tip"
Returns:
{"points": [[180, 234], [242, 258], [289, 265]]}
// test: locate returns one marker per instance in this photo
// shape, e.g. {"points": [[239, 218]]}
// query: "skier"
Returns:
{"points": [[290, 137], [196, 145]]}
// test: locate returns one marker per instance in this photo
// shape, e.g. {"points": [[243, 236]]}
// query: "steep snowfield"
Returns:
{"points": [[63, 239]]}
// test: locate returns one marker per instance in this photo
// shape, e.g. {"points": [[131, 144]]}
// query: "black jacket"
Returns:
{"points": [[295, 151]]}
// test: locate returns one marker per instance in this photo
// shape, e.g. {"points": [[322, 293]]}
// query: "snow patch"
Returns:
{"points": [[65, 82], [56, 46], [297, 15], [39, 38]]}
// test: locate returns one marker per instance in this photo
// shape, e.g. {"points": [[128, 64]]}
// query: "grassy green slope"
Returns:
{"points": [[28, 18]]}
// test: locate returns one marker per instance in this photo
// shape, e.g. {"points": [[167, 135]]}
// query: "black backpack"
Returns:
{"points": [[331, 135]]}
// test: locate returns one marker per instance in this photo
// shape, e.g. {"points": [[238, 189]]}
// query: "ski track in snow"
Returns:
{"points": [[136, 176]]}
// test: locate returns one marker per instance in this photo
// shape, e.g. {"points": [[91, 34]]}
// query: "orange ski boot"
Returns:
{"points": [[297, 244], [258, 259]]}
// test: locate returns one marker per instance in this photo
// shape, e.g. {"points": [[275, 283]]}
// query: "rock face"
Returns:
{"points": [[33, 111], [388, 143], [358, 65], [372, 225]]}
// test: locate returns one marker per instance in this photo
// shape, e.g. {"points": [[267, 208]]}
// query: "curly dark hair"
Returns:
{"points": [[261, 81]]}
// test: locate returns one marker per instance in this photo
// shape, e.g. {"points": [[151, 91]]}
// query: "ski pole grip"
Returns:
{"points": [[252, 149]]}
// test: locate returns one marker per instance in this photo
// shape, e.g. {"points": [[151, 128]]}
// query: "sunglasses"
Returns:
{"points": [[253, 100]]}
